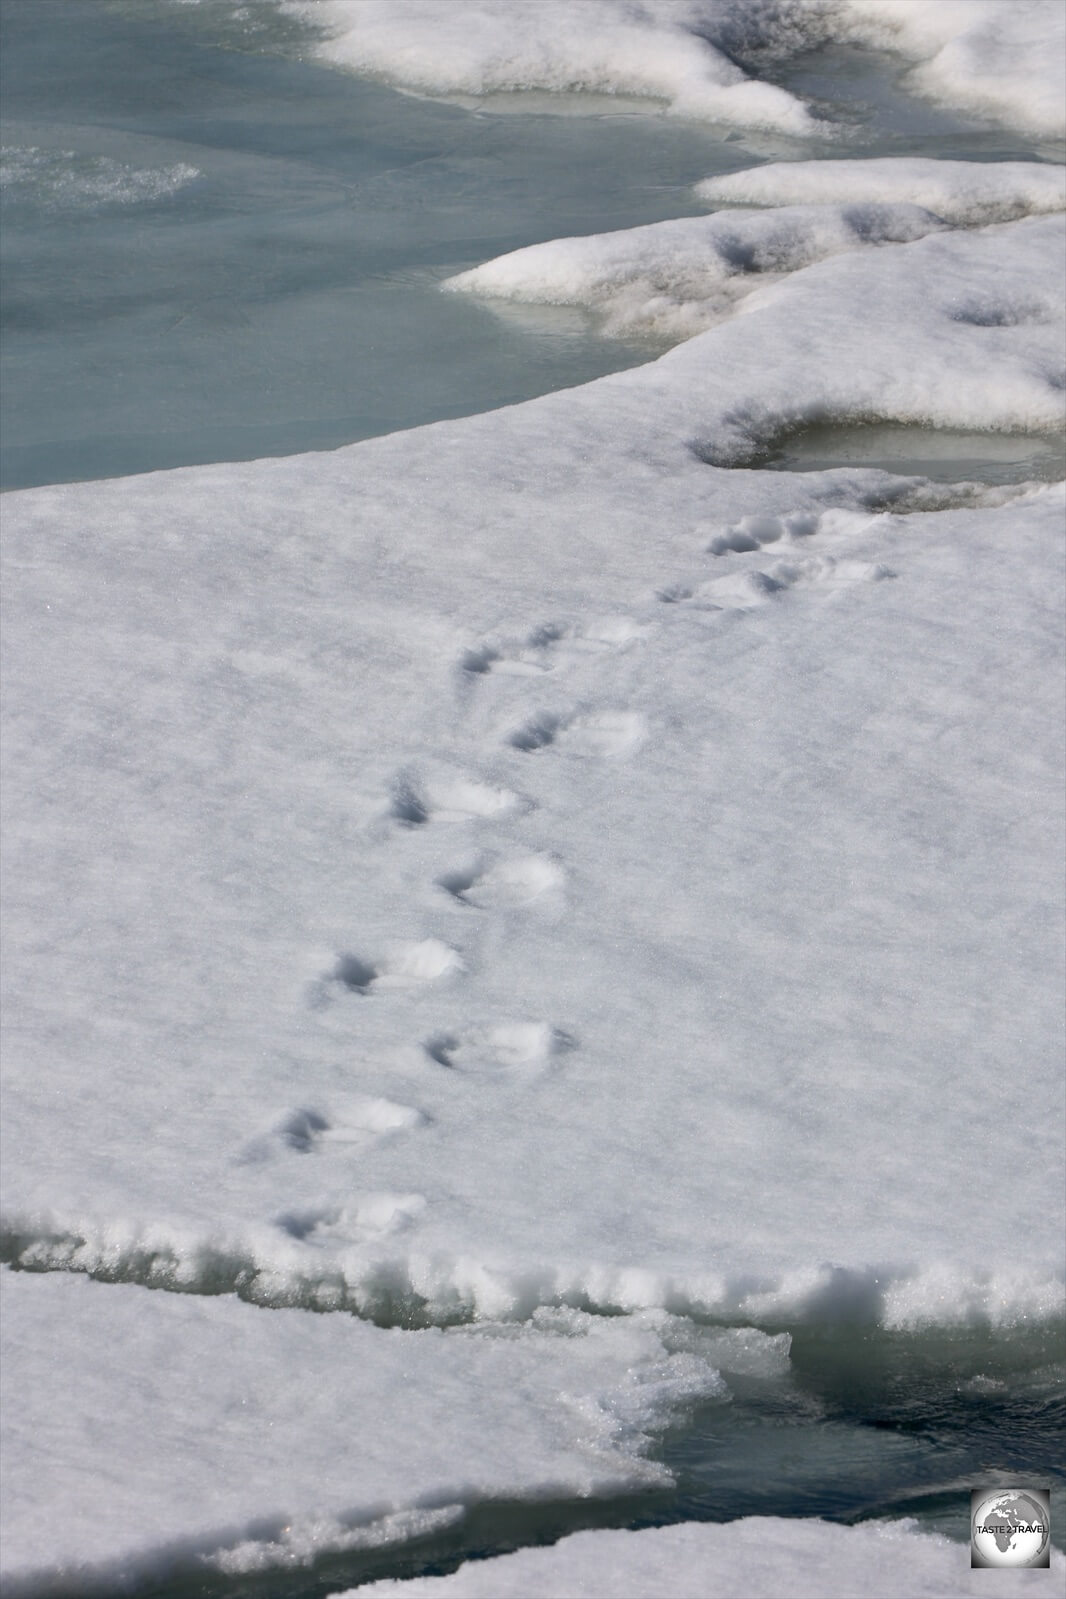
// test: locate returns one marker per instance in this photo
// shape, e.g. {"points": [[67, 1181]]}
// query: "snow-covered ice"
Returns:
{"points": [[549, 864], [670, 280], [1000, 59], [995, 58], [658, 50], [790, 830], [760, 1557], [674, 279], [967, 193], [245, 1439]]}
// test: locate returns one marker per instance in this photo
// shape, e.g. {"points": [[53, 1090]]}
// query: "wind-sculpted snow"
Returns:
{"points": [[242, 1440], [544, 858]]}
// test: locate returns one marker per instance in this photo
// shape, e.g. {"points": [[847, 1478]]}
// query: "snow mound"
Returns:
{"points": [[658, 49], [1003, 59], [674, 279], [1000, 59], [964, 193]]}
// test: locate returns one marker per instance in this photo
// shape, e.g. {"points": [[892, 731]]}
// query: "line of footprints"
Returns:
{"points": [[517, 1049]]}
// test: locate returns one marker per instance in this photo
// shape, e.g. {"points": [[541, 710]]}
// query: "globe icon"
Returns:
{"points": [[1010, 1527]]}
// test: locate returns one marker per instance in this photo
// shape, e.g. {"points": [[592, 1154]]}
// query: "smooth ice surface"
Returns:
{"points": [[266, 721], [144, 1432], [938, 453], [759, 1557]]}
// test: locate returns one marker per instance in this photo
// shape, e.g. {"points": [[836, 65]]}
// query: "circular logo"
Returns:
{"points": [[1010, 1528]]}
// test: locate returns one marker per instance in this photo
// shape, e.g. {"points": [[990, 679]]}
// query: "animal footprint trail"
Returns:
{"points": [[301, 1130], [753, 532], [537, 733], [504, 884], [402, 965], [756, 531], [525, 660], [602, 734], [742, 591], [362, 1122], [519, 1048], [550, 646], [365, 1220], [458, 799]]}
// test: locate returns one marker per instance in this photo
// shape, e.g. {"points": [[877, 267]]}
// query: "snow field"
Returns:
{"points": [[545, 862], [634, 832]]}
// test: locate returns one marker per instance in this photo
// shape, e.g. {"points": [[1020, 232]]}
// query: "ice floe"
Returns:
{"points": [[796, 832], [178, 1433], [545, 864], [761, 1557]]}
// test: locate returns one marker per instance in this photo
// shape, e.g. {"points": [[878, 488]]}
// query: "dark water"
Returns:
{"points": [[285, 298]]}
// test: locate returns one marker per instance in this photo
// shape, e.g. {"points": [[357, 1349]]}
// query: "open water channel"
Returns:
{"points": [[214, 249]]}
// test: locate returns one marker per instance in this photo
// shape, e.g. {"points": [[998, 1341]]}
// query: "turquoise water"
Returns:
{"points": [[940, 454], [213, 249], [285, 297]]}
